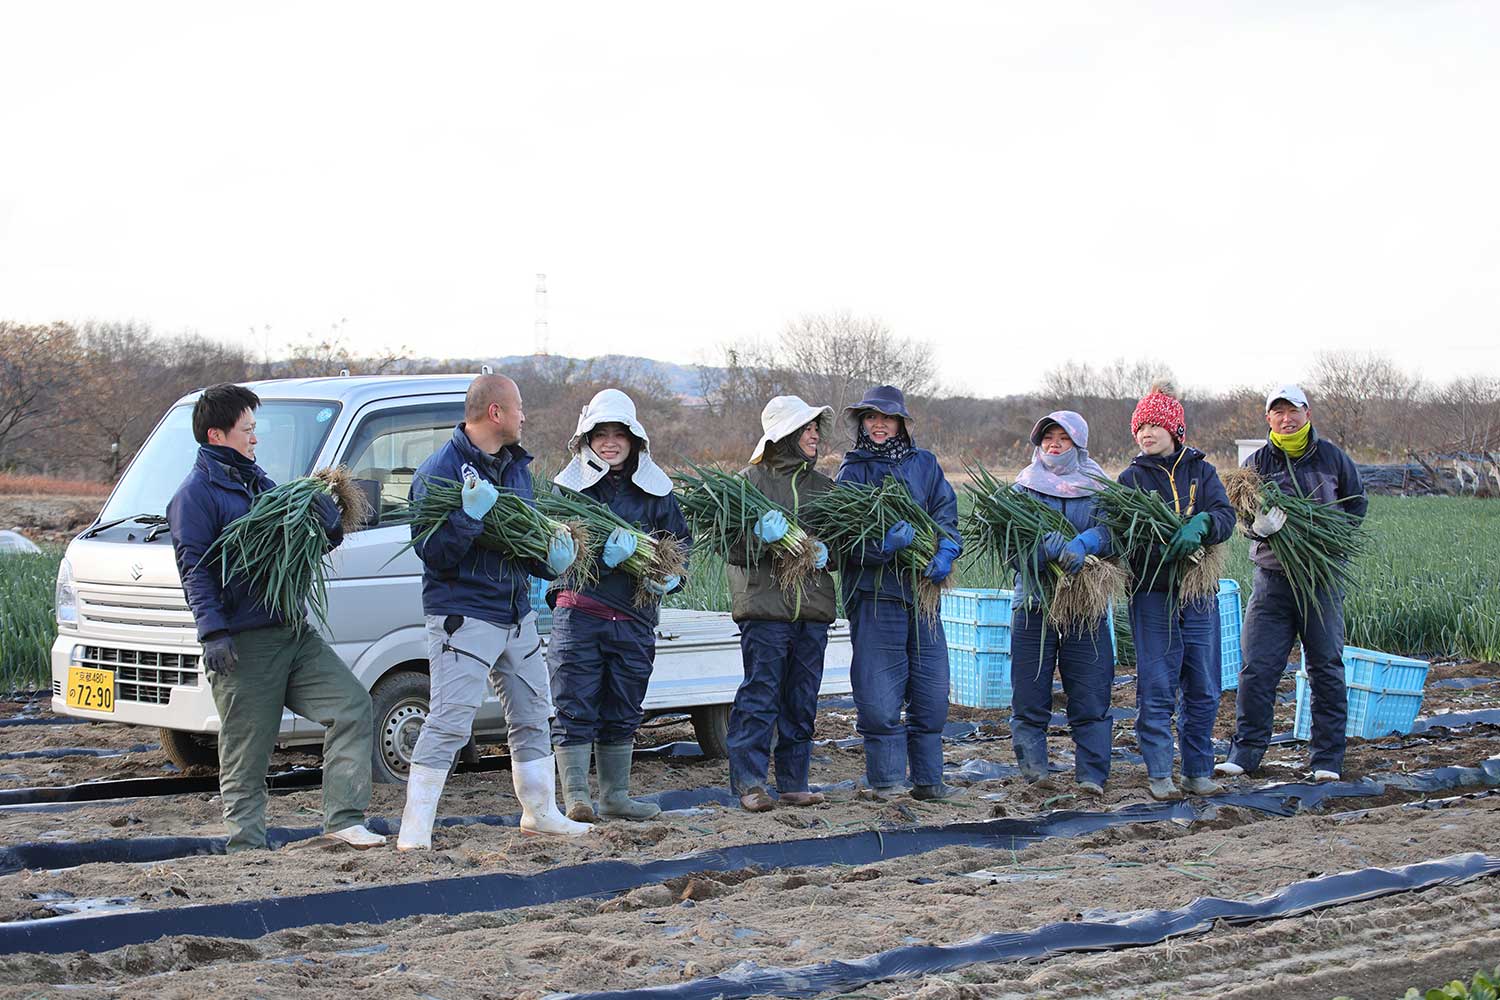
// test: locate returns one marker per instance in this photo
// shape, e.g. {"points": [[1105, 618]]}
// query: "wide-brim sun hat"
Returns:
{"points": [[886, 399], [785, 415], [611, 406]]}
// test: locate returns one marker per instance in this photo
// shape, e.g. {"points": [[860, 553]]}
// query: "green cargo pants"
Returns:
{"points": [[295, 668]]}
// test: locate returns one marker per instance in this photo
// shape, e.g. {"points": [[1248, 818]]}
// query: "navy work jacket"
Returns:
{"points": [[1323, 473], [1189, 484], [868, 571]]}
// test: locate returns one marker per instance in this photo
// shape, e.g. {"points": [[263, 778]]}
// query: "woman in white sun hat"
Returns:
{"points": [[603, 645], [782, 637]]}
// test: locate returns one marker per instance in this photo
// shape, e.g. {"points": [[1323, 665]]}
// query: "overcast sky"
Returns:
{"points": [[1227, 186]]}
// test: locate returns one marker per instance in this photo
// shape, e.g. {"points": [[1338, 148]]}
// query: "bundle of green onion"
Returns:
{"points": [[1142, 522], [852, 515], [723, 508], [512, 526], [1318, 544], [1007, 526], [656, 557], [279, 544]]}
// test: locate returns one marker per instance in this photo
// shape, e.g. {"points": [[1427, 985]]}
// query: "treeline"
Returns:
{"points": [[78, 401]]}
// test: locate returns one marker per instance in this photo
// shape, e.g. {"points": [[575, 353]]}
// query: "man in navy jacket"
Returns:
{"points": [[1298, 461], [481, 629], [255, 661]]}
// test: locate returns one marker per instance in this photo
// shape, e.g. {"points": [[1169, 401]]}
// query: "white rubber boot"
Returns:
{"points": [[536, 787], [424, 786], [358, 837]]}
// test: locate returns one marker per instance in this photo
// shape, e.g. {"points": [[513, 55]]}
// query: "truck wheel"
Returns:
{"points": [[400, 704], [190, 749], [711, 726]]}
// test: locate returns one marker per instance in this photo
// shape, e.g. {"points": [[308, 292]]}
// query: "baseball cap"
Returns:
{"points": [[1291, 393]]}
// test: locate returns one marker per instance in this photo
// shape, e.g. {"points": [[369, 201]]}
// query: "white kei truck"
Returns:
{"points": [[127, 650]]}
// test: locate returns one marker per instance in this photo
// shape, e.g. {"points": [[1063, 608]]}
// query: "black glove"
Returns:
{"points": [[219, 656], [331, 517]]}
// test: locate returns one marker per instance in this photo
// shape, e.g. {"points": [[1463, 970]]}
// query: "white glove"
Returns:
{"points": [[1268, 522]]}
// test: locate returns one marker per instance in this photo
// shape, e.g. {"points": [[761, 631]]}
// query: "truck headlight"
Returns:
{"points": [[65, 598]]}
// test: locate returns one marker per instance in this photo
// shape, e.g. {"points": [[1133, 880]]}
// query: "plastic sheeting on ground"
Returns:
{"points": [[1105, 932], [55, 752], [602, 879]]}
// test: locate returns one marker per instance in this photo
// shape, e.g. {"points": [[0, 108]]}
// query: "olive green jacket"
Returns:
{"points": [[787, 480]]}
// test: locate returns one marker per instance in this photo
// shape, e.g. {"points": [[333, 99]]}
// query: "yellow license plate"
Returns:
{"points": [[91, 689]]}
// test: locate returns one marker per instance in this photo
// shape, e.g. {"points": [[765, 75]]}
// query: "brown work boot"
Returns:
{"points": [[757, 801], [802, 798]]}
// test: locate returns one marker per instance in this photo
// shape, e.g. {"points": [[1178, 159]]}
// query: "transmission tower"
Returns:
{"points": [[539, 325]]}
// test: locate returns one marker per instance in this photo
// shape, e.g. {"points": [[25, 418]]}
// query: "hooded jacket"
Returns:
{"points": [[1323, 473], [787, 479], [615, 587], [1189, 484], [212, 495], [458, 576], [867, 571]]}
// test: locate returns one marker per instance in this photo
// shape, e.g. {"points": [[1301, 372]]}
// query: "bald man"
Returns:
{"points": [[481, 630]]}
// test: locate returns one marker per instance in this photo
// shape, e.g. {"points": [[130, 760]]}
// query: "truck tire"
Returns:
{"points": [[190, 749], [400, 703], [711, 726]]}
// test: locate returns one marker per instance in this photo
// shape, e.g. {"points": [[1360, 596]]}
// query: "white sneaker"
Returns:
{"points": [[536, 787], [358, 836], [1229, 769], [1321, 776], [424, 786]]}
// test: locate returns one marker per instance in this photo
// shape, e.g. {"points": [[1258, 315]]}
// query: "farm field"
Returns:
{"points": [[734, 894]]}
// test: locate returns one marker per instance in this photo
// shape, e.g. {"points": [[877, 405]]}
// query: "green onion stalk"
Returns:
{"points": [[512, 527], [1006, 526], [1142, 523], [853, 515], [278, 545], [723, 508], [1316, 547], [656, 556]]}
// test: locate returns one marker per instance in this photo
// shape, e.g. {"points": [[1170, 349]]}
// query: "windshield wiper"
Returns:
{"points": [[141, 518]]}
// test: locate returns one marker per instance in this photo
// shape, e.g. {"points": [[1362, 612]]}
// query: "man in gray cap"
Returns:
{"points": [[1296, 459]]}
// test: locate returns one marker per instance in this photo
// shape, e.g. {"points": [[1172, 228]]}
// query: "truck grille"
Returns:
{"points": [[139, 607], [142, 675]]}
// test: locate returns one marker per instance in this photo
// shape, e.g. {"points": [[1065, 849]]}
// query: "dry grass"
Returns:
{"points": [[14, 485]]}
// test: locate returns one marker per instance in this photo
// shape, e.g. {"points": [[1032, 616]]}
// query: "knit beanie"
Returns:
{"points": [[1160, 407]]}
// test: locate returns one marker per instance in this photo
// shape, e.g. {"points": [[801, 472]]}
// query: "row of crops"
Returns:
{"points": [[1429, 586]]}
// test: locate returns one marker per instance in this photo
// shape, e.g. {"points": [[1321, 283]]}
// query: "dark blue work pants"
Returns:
{"points": [[1086, 661], [783, 672], [1177, 655], [900, 661], [600, 669], [1273, 621]]}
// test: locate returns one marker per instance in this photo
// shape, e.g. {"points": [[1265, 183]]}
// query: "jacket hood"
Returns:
{"points": [[1068, 420]]}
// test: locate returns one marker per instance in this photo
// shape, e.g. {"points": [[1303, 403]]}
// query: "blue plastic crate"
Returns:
{"points": [[1385, 694], [980, 638], [978, 680], [980, 606], [539, 604], [1229, 635]]}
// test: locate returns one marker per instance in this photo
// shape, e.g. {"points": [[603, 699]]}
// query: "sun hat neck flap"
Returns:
{"points": [[784, 415], [611, 406]]}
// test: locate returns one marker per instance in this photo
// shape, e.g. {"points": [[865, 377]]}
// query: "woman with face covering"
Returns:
{"points": [[602, 645], [1177, 646], [782, 637], [1062, 475], [899, 669]]}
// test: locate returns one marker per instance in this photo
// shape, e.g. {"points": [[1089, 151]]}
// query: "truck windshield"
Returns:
{"points": [[290, 433]]}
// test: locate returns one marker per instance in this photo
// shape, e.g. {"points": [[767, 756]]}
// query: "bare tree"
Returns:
{"points": [[1120, 379], [833, 357], [1467, 412], [38, 371], [1363, 399]]}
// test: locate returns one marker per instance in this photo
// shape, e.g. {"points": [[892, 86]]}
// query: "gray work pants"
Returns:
{"points": [[465, 657]]}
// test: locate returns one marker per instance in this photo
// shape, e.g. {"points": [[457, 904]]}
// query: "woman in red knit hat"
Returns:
{"points": [[1177, 646]]}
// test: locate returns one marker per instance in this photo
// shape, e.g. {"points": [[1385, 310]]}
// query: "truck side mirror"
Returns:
{"points": [[371, 489]]}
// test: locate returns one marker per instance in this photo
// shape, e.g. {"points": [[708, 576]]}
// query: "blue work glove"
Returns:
{"points": [[942, 563], [897, 538], [661, 588], [478, 497], [1188, 538], [820, 555], [561, 551], [771, 527], [1088, 543], [220, 656], [1052, 546], [619, 547]]}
